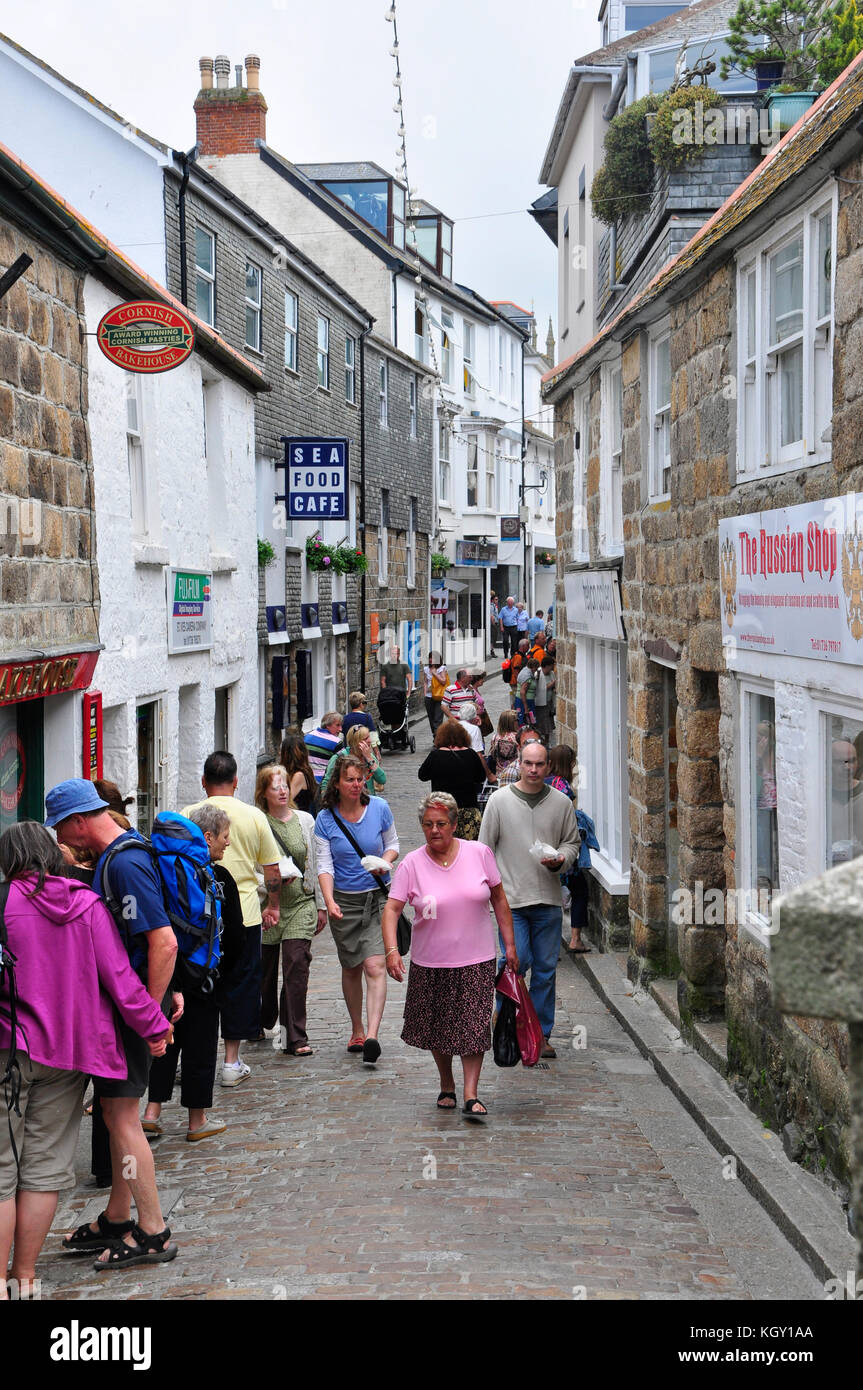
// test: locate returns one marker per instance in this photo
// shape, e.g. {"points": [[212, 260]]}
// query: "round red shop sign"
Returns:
{"points": [[145, 336]]}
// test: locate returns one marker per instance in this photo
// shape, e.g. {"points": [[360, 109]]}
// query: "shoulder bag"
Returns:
{"points": [[403, 927]]}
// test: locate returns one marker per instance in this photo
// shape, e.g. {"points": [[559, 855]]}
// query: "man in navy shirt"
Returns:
{"points": [[509, 626], [81, 820]]}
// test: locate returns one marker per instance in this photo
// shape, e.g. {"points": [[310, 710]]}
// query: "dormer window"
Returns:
{"points": [[380, 202], [430, 235]]}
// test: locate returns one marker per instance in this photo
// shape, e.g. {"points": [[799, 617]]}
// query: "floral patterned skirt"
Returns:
{"points": [[469, 821], [449, 1010]]}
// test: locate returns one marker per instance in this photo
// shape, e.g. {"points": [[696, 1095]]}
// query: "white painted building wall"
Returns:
{"points": [[196, 524], [105, 169]]}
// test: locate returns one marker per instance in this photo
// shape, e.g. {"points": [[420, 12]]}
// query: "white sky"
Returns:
{"points": [[482, 82]]}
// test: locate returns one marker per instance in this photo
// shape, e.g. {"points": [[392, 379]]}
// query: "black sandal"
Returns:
{"points": [[83, 1240], [446, 1095], [147, 1250], [471, 1114]]}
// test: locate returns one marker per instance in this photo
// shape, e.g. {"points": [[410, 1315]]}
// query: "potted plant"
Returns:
{"points": [[545, 557], [779, 39], [440, 564], [266, 553]]}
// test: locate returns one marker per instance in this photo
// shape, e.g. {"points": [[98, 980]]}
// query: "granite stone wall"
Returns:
{"points": [[49, 585]]}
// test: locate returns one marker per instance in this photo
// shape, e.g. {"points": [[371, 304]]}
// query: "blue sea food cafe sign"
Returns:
{"points": [[316, 478]]}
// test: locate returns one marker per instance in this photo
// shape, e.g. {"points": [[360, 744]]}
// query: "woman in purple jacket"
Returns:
{"points": [[70, 970]]}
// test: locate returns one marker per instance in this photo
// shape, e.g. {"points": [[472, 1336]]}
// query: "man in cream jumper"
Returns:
{"points": [[514, 818]]}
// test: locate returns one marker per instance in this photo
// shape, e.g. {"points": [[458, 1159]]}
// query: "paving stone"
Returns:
{"points": [[588, 1173]]}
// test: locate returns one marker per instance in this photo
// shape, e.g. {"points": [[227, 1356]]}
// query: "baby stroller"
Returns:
{"points": [[393, 720]]}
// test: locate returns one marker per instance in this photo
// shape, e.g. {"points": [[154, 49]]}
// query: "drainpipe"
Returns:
{"points": [[362, 516], [181, 205]]}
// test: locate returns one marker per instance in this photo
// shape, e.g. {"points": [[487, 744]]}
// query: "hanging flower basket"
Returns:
{"points": [[546, 558], [318, 555], [347, 559]]}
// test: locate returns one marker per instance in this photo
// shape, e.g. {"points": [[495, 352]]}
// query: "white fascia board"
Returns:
{"points": [[581, 80]]}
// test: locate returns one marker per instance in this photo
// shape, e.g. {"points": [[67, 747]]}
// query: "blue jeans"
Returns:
{"points": [[537, 941]]}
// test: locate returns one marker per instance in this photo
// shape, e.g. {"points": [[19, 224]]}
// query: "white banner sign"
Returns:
{"points": [[593, 603], [792, 580]]}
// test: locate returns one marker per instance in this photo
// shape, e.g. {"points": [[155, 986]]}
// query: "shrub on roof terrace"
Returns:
{"points": [[622, 186]]}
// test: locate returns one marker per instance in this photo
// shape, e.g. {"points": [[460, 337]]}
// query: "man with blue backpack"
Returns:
{"points": [[133, 892]]}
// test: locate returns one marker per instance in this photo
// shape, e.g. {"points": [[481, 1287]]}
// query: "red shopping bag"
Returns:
{"points": [[527, 1026]]}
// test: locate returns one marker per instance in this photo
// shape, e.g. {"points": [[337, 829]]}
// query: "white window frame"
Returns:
{"points": [[659, 418], [411, 545], [611, 466], [490, 471], [444, 461], [501, 361], [323, 353], [208, 277], [472, 444], [513, 353], [384, 537], [824, 708], [759, 452], [412, 405], [255, 305], [139, 492], [420, 340], [580, 455], [759, 927], [350, 369], [446, 346], [292, 323], [601, 666], [384, 393], [468, 350]]}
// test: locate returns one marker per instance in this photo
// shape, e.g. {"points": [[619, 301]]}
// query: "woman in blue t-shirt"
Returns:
{"points": [[355, 898]]}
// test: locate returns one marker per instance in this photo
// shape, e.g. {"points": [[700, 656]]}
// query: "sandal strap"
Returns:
{"points": [[156, 1242]]}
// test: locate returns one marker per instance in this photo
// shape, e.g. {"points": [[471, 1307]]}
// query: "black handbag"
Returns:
{"points": [[403, 926], [505, 1039]]}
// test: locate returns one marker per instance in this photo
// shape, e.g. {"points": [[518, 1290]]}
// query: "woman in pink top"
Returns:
{"points": [[71, 969], [449, 884]]}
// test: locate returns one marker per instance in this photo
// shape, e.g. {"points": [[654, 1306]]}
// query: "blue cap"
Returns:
{"points": [[72, 798]]}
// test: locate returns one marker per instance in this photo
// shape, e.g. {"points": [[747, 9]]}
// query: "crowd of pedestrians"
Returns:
{"points": [[84, 898]]}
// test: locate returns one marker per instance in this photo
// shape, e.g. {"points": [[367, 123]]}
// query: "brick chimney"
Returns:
{"points": [[229, 120]]}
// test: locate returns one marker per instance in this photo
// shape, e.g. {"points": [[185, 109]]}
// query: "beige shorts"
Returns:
{"points": [[357, 933], [46, 1131]]}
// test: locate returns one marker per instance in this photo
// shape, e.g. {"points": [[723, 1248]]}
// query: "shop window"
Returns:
{"points": [[763, 830], [844, 789], [601, 715]]}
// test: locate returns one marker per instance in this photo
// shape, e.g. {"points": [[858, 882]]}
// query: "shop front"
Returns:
{"points": [[792, 614], [44, 736]]}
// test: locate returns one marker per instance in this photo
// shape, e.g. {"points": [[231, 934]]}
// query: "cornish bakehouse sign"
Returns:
{"points": [[145, 336]]}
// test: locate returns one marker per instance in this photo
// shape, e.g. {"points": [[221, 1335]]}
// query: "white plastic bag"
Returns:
{"points": [[539, 851], [373, 864]]}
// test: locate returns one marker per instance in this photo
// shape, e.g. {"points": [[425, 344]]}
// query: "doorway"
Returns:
{"points": [[669, 739], [149, 790], [21, 763]]}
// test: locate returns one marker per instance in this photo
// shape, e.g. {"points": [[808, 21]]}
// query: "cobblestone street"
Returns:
{"points": [[339, 1181]]}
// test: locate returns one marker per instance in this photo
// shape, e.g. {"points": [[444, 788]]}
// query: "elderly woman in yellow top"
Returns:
{"points": [[359, 743]]}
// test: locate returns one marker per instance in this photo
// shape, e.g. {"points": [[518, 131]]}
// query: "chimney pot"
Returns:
{"points": [[238, 73], [206, 66], [253, 71], [223, 69]]}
